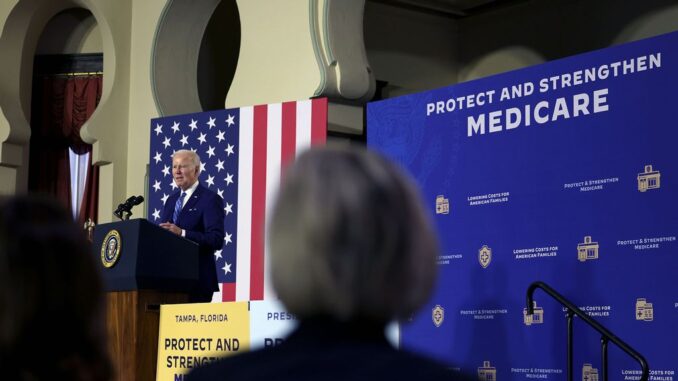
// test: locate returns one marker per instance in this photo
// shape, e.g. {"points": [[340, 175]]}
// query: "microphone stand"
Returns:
{"points": [[126, 207]]}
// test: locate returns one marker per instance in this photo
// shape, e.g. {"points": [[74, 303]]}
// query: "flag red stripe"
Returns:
{"points": [[319, 121], [258, 202], [228, 292], [289, 135]]}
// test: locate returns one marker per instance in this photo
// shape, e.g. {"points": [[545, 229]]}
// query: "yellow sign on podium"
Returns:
{"points": [[192, 335]]}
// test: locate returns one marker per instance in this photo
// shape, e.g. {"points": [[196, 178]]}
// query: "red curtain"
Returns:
{"points": [[61, 105]]}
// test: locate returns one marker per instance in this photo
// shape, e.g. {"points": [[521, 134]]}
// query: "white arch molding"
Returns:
{"points": [[175, 59]]}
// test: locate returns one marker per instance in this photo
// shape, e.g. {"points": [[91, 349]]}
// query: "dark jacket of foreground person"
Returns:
{"points": [[323, 349]]}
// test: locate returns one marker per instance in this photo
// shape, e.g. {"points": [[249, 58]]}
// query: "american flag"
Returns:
{"points": [[244, 152]]}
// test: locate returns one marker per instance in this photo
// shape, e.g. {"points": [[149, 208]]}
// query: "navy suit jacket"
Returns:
{"points": [[203, 220]]}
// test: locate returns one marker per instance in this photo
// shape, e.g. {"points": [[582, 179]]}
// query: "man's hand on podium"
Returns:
{"points": [[171, 227]]}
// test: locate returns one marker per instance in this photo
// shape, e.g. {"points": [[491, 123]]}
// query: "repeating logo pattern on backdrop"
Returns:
{"points": [[438, 315], [587, 250], [649, 179], [485, 256], [644, 310], [487, 372], [442, 205], [537, 316], [578, 153], [589, 373]]}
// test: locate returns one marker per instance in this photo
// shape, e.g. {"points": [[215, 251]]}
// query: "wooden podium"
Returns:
{"points": [[143, 266]]}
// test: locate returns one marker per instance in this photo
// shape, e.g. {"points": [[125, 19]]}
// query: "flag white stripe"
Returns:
{"points": [[273, 163], [217, 295], [303, 125], [244, 237]]}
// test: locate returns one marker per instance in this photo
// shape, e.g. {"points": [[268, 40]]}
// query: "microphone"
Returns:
{"points": [[126, 207], [123, 207], [132, 201], [118, 211]]}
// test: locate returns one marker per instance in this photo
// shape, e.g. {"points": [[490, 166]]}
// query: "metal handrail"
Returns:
{"points": [[606, 334]]}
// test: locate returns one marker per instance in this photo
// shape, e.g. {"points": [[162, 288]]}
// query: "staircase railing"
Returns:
{"points": [[606, 337]]}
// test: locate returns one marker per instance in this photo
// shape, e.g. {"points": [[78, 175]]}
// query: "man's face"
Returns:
{"points": [[184, 172]]}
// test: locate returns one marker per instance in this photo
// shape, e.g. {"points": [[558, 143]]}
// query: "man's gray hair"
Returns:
{"points": [[192, 155], [349, 238]]}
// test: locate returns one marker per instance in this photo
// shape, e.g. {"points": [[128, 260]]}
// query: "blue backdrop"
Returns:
{"points": [[563, 172]]}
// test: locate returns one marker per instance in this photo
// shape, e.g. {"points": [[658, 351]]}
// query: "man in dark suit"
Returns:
{"points": [[195, 213]]}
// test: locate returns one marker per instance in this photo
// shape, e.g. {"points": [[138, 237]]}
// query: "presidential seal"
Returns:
{"points": [[438, 315], [110, 248], [485, 256]]}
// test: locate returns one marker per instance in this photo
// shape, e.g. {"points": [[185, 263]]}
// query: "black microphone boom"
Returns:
{"points": [[119, 210], [127, 206]]}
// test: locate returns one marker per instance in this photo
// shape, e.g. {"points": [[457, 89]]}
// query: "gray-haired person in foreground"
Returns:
{"points": [[351, 249]]}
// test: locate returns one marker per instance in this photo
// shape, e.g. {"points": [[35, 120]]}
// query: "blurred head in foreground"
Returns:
{"points": [[349, 238], [51, 299]]}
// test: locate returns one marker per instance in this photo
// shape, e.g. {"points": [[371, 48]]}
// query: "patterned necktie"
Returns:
{"points": [[178, 206]]}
